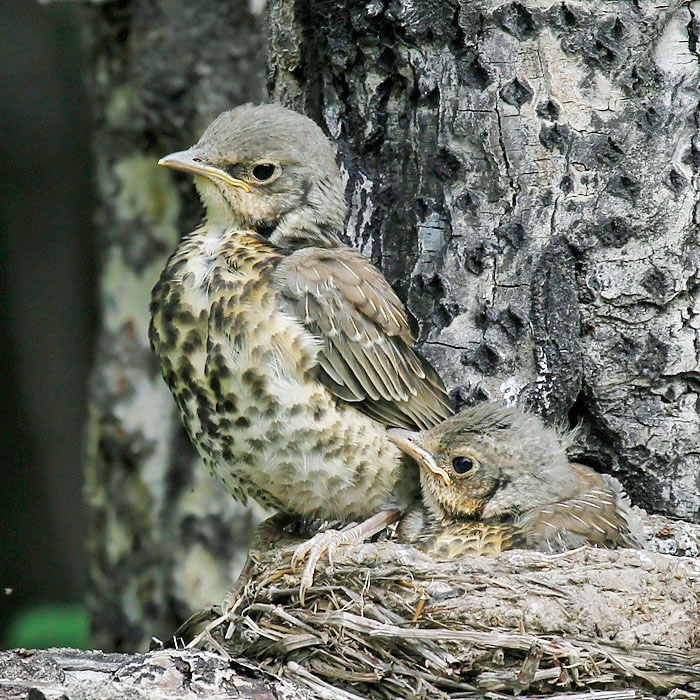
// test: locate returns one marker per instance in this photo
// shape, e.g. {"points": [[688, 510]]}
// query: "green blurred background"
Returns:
{"points": [[47, 317]]}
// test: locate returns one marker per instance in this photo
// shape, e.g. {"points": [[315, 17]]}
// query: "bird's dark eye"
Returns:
{"points": [[264, 171], [462, 465]]}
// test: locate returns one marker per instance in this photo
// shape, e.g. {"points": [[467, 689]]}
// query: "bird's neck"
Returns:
{"points": [[220, 215], [299, 229], [318, 220], [449, 504], [435, 505]]}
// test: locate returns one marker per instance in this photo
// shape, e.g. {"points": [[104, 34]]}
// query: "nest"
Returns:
{"points": [[386, 621]]}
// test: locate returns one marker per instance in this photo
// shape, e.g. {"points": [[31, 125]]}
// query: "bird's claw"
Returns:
{"points": [[330, 551], [312, 550], [328, 542]]}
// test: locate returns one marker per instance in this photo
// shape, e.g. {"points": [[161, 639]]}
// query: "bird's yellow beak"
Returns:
{"points": [[409, 443], [190, 161]]}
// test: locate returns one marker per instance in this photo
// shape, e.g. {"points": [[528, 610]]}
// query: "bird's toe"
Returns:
{"points": [[313, 550]]}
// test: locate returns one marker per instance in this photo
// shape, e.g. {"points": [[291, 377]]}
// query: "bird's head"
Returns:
{"points": [[489, 462], [269, 169]]}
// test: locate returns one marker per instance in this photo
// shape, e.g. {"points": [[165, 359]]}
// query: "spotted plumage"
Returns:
{"points": [[449, 539], [496, 478], [287, 352]]}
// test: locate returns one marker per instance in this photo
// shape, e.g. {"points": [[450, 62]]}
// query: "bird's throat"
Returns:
{"points": [[220, 213]]}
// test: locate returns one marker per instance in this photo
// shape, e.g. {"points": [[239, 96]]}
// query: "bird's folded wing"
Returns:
{"points": [[593, 516], [366, 355]]}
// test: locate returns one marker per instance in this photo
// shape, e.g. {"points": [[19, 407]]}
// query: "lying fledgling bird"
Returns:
{"points": [[496, 478]]}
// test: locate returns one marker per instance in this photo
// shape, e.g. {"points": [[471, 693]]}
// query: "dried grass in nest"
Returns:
{"points": [[386, 621]]}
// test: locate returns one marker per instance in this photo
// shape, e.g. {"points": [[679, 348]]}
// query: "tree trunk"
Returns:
{"points": [[526, 175], [164, 538]]}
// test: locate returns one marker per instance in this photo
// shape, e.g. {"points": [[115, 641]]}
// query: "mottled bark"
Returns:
{"points": [[71, 674], [526, 175], [164, 538]]}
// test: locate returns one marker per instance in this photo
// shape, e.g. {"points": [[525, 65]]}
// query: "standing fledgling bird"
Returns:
{"points": [[287, 352], [496, 478]]}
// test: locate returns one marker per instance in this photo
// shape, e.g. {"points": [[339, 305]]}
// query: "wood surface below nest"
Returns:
{"points": [[386, 621]]}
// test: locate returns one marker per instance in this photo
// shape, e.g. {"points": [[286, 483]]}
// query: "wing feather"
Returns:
{"points": [[366, 355]]}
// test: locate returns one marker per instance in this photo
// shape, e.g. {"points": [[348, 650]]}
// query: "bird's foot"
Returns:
{"points": [[312, 550], [328, 542]]}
